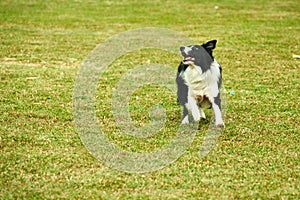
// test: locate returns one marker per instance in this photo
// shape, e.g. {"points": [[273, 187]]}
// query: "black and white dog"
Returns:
{"points": [[199, 80]]}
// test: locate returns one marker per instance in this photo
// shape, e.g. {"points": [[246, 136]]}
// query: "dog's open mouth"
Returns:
{"points": [[188, 58]]}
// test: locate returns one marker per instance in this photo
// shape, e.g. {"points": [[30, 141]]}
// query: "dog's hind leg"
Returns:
{"points": [[185, 115], [202, 114], [216, 105]]}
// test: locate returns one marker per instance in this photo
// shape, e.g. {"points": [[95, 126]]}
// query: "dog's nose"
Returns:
{"points": [[182, 48]]}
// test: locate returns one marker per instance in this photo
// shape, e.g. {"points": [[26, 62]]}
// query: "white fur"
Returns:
{"points": [[202, 83], [187, 50], [202, 114], [218, 115], [185, 120], [194, 108]]}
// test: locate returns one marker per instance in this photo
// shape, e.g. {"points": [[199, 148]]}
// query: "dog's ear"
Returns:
{"points": [[210, 45]]}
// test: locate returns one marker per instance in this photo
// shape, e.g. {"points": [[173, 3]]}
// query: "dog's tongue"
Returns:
{"points": [[189, 58]]}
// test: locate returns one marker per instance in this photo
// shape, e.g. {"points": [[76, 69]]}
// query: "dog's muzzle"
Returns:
{"points": [[187, 59]]}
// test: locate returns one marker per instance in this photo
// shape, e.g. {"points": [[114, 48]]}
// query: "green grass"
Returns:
{"points": [[42, 46]]}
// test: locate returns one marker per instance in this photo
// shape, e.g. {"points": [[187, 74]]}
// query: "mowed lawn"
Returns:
{"points": [[42, 46]]}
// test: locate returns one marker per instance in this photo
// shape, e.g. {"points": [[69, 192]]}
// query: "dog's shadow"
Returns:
{"points": [[202, 123]]}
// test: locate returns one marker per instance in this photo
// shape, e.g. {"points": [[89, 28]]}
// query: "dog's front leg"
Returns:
{"points": [[194, 108]]}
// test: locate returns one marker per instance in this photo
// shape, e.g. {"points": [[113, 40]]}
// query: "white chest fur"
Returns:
{"points": [[202, 83]]}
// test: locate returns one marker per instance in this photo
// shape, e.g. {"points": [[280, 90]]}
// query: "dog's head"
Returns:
{"points": [[199, 55]]}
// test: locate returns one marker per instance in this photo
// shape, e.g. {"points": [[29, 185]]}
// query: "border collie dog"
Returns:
{"points": [[199, 80]]}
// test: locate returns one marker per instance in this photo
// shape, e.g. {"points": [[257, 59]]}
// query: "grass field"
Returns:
{"points": [[43, 44]]}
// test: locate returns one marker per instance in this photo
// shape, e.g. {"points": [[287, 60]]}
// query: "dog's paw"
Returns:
{"points": [[185, 120], [197, 119], [220, 125]]}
